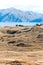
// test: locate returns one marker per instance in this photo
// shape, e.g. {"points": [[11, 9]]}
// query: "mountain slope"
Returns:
{"points": [[15, 15]]}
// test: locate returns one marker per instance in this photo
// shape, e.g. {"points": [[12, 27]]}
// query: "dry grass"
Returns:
{"points": [[23, 58], [21, 45]]}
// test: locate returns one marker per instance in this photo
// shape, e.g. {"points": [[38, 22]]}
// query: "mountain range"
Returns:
{"points": [[15, 15]]}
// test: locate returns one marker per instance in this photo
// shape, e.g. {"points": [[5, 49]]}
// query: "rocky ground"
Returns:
{"points": [[21, 45]]}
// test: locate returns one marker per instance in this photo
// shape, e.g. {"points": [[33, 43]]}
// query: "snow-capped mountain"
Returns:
{"points": [[15, 15]]}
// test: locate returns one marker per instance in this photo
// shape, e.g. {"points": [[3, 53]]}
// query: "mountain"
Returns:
{"points": [[15, 15]]}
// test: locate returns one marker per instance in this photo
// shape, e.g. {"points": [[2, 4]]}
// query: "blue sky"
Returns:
{"points": [[33, 5]]}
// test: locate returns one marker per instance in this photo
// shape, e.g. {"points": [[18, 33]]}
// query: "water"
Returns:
{"points": [[20, 23]]}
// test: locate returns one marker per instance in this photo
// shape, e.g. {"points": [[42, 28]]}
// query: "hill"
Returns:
{"points": [[21, 45], [21, 38]]}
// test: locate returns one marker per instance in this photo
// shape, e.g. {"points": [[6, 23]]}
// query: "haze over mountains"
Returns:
{"points": [[15, 15]]}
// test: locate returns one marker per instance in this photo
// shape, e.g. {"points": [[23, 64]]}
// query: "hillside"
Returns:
{"points": [[21, 38], [21, 45]]}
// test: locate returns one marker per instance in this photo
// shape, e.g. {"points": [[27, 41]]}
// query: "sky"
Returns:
{"points": [[25, 5]]}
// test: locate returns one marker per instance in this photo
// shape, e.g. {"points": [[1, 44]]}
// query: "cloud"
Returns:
{"points": [[35, 5]]}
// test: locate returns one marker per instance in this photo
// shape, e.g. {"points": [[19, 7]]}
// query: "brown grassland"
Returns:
{"points": [[21, 45]]}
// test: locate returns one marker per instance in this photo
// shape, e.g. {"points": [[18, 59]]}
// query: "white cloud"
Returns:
{"points": [[35, 5]]}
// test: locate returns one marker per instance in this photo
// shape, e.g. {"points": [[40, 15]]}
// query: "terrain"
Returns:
{"points": [[21, 45]]}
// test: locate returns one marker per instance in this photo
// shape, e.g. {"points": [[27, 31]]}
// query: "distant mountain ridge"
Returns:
{"points": [[15, 15]]}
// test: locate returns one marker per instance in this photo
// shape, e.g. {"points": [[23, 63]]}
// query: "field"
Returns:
{"points": [[21, 45]]}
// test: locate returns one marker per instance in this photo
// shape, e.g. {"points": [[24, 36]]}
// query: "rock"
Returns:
{"points": [[21, 45], [40, 36], [11, 31], [11, 42], [14, 63]]}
